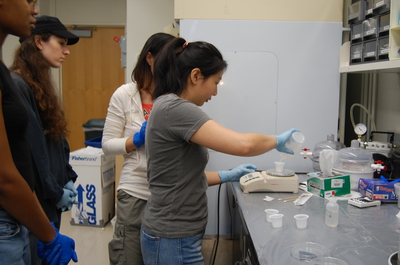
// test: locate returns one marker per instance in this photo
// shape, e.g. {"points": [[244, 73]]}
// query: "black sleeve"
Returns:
{"points": [[70, 171], [46, 184]]}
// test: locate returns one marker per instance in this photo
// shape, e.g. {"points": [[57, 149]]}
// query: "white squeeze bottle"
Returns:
{"points": [[332, 212]]}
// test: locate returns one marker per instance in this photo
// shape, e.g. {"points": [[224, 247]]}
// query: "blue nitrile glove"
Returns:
{"points": [[67, 199], [282, 139], [59, 251], [70, 186], [138, 138], [236, 173]]}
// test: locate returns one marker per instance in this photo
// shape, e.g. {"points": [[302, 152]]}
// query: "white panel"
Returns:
{"points": [[241, 100], [307, 59]]}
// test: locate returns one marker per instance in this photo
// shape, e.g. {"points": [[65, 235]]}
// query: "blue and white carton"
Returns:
{"points": [[95, 185]]}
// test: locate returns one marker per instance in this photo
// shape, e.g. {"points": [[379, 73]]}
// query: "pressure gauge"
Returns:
{"points": [[360, 129]]}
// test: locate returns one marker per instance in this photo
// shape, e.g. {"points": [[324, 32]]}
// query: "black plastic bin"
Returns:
{"points": [[93, 128]]}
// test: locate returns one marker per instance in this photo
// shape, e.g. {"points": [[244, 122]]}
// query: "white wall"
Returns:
{"points": [[144, 18]]}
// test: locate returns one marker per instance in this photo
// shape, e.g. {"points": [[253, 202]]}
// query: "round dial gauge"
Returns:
{"points": [[360, 129]]}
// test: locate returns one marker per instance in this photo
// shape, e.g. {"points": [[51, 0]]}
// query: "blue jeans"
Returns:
{"points": [[171, 251], [14, 241]]}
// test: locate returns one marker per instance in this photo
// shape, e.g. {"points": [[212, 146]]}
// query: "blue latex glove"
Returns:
{"points": [[59, 251], [70, 186], [282, 139], [236, 173], [138, 138], [67, 199]]}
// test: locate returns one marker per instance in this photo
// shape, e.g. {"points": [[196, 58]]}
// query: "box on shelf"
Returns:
{"points": [[381, 6], [95, 185], [356, 12], [376, 189], [383, 48], [370, 51], [328, 186], [370, 28], [356, 32], [356, 53], [384, 24], [369, 8]]}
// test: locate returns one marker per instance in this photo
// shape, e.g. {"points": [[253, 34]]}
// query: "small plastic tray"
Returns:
{"points": [[307, 251]]}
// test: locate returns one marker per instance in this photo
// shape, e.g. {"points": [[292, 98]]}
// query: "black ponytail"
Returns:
{"points": [[175, 62]]}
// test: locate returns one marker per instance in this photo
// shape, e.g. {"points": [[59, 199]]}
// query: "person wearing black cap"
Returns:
{"points": [[44, 49], [19, 207]]}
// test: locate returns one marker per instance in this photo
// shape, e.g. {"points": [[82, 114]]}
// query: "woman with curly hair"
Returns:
{"points": [[44, 49]]}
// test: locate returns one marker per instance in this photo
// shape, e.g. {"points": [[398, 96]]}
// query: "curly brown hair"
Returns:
{"points": [[36, 72]]}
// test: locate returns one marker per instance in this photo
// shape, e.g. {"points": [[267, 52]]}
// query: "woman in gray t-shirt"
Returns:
{"points": [[178, 136]]}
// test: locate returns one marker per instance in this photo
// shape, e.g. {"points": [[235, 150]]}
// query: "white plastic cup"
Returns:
{"points": [[276, 220], [301, 220], [294, 143], [279, 167], [397, 190], [269, 212]]}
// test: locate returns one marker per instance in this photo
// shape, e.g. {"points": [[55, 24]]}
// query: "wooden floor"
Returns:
{"points": [[92, 244]]}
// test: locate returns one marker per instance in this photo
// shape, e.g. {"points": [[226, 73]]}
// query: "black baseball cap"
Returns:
{"points": [[47, 24]]}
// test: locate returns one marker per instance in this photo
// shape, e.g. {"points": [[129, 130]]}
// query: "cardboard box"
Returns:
{"points": [[95, 185], [327, 187], [376, 189]]}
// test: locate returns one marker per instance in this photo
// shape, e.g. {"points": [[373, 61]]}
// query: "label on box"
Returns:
{"points": [[327, 187]]}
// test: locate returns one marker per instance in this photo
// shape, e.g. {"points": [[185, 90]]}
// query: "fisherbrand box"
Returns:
{"points": [[376, 189], [95, 185]]}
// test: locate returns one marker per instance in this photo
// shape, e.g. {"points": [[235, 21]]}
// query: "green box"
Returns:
{"points": [[327, 187]]}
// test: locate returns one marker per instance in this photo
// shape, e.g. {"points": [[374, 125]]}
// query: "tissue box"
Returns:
{"points": [[327, 187], [376, 189]]}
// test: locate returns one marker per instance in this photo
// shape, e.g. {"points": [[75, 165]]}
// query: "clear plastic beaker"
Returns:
{"points": [[301, 220], [270, 212], [294, 143], [276, 220], [279, 167]]}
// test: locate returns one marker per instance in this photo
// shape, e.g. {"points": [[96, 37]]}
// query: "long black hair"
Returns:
{"points": [[178, 58]]}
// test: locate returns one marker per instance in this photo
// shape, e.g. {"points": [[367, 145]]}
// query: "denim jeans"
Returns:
{"points": [[14, 241], [171, 251]]}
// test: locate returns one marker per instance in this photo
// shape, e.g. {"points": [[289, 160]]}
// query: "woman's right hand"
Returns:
{"points": [[282, 139]]}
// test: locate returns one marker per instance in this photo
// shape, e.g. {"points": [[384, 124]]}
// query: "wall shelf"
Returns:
{"points": [[381, 67]]}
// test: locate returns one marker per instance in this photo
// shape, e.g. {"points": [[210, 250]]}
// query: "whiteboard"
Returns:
{"points": [[281, 75]]}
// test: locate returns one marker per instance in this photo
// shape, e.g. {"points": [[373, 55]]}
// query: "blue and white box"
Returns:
{"points": [[376, 189], [95, 185]]}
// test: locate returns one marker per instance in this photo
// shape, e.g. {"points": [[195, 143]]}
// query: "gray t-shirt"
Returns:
{"points": [[177, 206]]}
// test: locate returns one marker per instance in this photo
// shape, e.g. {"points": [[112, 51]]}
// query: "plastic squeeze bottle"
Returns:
{"points": [[332, 212]]}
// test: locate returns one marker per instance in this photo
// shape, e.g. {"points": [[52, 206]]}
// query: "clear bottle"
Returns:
{"points": [[332, 212]]}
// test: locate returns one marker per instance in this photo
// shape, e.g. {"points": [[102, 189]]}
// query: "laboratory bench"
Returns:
{"points": [[364, 236]]}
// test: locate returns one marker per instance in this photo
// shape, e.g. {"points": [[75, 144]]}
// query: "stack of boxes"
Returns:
{"points": [[370, 24]]}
